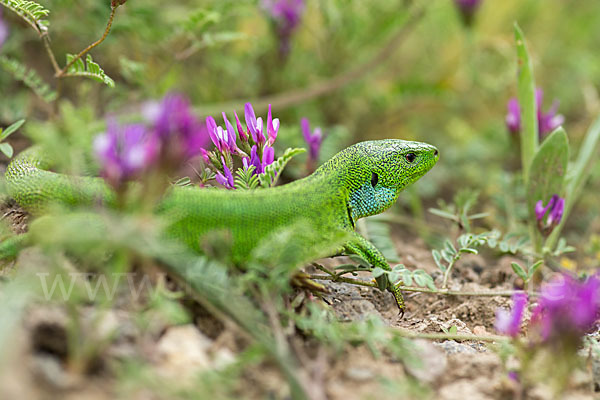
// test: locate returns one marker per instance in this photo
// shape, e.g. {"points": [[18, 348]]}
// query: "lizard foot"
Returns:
{"points": [[395, 289]]}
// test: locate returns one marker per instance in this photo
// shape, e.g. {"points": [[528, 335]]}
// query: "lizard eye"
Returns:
{"points": [[410, 157], [374, 179]]}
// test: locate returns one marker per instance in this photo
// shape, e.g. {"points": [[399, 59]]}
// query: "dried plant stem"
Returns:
{"points": [[352, 281], [63, 72], [46, 41], [451, 336]]}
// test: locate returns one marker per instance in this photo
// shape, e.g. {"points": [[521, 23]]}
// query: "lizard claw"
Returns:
{"points": [[401, 313]]}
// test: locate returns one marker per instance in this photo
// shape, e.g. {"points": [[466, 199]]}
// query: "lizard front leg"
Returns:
{"points": [[367, 250]]}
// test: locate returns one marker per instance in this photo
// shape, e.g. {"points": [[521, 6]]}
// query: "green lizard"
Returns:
{"points": [[362, 180]]}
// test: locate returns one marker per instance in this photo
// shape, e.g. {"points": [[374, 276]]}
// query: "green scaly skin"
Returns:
{"points": [[362, 180]]}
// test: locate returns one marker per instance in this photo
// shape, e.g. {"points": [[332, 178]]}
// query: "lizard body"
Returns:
{"points": [[361, 180]]}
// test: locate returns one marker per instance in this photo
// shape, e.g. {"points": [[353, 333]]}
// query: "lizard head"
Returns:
{"points": [[375, 172]]}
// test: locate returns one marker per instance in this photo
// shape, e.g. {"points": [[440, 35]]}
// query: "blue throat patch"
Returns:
{"points": [[368, 200]]}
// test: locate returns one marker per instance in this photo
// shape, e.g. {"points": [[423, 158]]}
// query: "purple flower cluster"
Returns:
{"points": [[313, 139], [177, 127], [125, 151], [3, 30], [254, 146], [287, 15], [509, 322], [553, 213], [567, 308], [467, 9], [173, 136], [547, 122]]}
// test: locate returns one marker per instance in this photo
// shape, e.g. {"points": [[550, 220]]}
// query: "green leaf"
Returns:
{"points": [[183, 182], [453, 330], [443, 214], [407, 277], [29, 77], [31, 12], [394, 277], [382, 282], [273, 171], [89, 69], [437, 258], [548, 170], [534, 268], [519, 270], [377, 272], [446, 256], [450, 247], [526, 84], [11, 129], [246, 179], [6, 149], [468, 250], [479, 215], [463, 240], [581, 170]]}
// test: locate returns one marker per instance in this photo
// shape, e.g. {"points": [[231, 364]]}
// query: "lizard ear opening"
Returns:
{"points": [[374, 179]]}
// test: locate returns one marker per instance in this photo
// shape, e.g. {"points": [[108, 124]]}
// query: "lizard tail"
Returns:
{"points": [[34, 187]]}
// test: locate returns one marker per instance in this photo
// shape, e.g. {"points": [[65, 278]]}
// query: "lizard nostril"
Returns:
{"points": [[435, 152]]}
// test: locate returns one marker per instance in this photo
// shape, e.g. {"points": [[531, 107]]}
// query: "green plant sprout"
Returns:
{"points": [[5, 147]]}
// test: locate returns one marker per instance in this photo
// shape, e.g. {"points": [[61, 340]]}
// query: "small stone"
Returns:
{"points": [[452, 347], [223, 358], [430, 362], [182, 352], [359, 374], [480, 331]]}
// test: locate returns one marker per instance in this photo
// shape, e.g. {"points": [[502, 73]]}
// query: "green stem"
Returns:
{"points": [[447, 272]]}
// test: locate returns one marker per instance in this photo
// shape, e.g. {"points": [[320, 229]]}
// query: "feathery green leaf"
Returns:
{"points": [[29, 77], [89, 69]]}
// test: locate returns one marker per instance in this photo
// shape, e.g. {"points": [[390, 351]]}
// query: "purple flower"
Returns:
{"points": [[227, 179], [513, 118], [125, 150], [547, 122], [272, 127], [204, 155], [509, 323], [313, 139], [3, 30], [224, 139], [267, 158], [467, 9], [240, 129], [178, 129], [255, 125], [567, 308], [554, 211], [287, 15]]}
